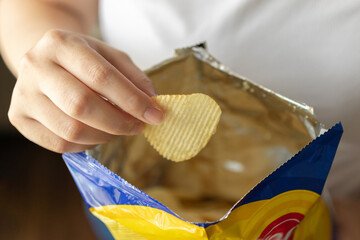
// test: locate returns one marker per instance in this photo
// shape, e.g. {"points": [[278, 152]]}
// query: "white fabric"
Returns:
{"points": [[307, 50]]}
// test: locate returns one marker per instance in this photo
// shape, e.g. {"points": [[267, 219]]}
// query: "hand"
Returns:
{"points": [[58, 100]]}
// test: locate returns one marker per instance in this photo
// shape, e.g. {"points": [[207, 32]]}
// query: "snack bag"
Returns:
{"points": [[285, 205], [140, 195]]}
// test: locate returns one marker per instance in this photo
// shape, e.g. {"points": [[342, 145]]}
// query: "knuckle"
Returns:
{"points": [[15, 113], [54, 36], [100, 75], [26, 62], [13, 117], [72, 131], [78, 106], [134, 104]]}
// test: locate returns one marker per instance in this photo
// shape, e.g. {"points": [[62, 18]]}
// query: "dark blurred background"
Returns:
{"points": [[38, 198]]}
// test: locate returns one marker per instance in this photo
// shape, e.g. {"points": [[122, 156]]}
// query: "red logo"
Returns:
{"points": [[282, 228]]}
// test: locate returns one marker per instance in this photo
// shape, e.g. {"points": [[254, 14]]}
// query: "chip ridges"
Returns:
{"points": [[190, 121]]}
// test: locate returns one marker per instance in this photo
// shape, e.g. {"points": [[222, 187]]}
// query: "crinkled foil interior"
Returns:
{"points": [[258, 131]]}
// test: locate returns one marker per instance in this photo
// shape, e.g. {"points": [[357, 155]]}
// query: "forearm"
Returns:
{"points": [[24, 22]]}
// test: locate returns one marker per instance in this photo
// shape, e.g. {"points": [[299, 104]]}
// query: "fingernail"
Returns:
{"points": [[137, 128], [153, 115]]}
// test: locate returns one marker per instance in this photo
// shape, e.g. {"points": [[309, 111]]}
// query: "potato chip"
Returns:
{"points": [[190, 121]]}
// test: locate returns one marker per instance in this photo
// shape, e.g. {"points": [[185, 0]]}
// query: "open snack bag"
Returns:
{"points": [[260, 176]]}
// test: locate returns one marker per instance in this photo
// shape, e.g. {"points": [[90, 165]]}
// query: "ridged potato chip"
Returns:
{"points": [[190, 121]]}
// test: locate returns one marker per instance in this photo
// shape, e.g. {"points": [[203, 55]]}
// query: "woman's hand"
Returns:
{"points": [[58, 100]]}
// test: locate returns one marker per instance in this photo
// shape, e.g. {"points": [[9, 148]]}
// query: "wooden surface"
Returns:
{"points": [[38, 197]]}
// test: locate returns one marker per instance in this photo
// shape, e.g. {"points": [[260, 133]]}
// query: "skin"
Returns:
{"points": [[63, 76], [72, 91]]}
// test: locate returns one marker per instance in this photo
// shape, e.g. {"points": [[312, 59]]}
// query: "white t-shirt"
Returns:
{"points": [[307, 50]]}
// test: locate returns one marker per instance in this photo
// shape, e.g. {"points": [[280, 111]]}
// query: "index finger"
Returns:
{"points": [[127, 67], [97, 73]]}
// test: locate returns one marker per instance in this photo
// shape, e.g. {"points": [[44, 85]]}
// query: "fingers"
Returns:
{"points": [[35, 131], [124, 64], [42, 136], [64, 126], [59, 99], [84, 105], [97, 73]]}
